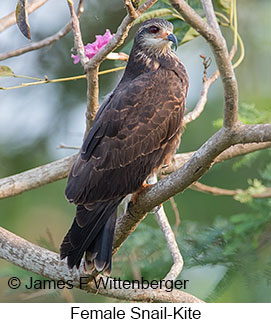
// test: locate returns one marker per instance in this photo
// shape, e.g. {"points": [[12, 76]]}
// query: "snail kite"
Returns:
{"points": [[136, 130]]}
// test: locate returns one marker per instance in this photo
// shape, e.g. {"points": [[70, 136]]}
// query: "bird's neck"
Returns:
{"points": [[141, 61]]}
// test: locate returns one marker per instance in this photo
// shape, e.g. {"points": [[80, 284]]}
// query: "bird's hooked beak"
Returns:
{"points": [[171, 37]]}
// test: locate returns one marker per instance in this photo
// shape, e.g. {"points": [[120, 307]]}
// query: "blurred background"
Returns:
{"points": [[223, 263]]}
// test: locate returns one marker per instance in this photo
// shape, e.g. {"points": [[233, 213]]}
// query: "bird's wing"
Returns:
{"points": [[128, 138]]}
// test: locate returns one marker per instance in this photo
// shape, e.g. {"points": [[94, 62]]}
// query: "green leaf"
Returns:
{"points": [[266, 173], [243, 197], [6, 71], [190, 35], [153, 14], [224, 5], [218, 123], [22, 18], [180, 28]]}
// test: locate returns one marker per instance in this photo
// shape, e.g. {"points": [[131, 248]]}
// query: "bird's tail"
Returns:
{"points": [[92, 231]]}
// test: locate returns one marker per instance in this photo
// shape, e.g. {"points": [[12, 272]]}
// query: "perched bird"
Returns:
{"points": [[136, 130]]}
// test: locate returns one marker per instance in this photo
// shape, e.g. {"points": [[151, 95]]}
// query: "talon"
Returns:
{"points": [[140, 190], [130, 204]]}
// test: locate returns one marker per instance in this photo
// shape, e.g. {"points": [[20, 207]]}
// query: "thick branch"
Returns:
{"points": [[221, 54], [44, 42], [252, 133], [39, 176], [178, 181], [36, 177], [233, 151], [10, 19], [47, 263]]}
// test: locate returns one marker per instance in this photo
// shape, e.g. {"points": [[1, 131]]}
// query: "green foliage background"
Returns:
{"points": [[225, 242]]}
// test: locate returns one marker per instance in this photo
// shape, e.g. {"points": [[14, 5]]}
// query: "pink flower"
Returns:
{"points": [[93, 48]]}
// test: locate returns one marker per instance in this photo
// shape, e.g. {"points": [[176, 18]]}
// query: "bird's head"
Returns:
{"points": [[156, 36]]}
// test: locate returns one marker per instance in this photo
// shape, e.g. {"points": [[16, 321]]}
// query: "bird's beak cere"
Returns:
{"points": [[169, 37]]}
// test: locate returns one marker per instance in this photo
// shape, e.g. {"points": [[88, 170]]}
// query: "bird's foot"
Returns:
{"points": [[139, 191]]}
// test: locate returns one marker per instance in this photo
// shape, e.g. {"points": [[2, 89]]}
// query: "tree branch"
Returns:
{"points": [[36, 177], [78, 42], [170, 238], [177, 215], [233, 151], [178, 181], [43, 262], [207, 82], [120, 35], [252, 133], [46, 41], [131, 9], [173, 248], [10, 19], [93, 64], [48, 173], [219, 48], [221, 191]]}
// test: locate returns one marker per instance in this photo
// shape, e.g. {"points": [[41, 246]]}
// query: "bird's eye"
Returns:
{"points": [[154, 29]]}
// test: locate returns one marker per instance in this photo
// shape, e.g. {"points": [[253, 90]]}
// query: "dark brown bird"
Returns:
{"points": [[137, 130]]}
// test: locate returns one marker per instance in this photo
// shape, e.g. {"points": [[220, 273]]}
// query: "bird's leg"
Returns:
{"points": [[169, 162]]}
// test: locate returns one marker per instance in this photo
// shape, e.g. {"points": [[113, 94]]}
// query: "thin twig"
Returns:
{"points": [[120, 35], [46, 80], [221, 191], [207, 82], [63, 146], [135, 270], [46, 41], [170, 238], [91, 66], [131, 9], [177, 266], [78, 42], [177, 215], [94, 63], [196, 112], [240, 150]]}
